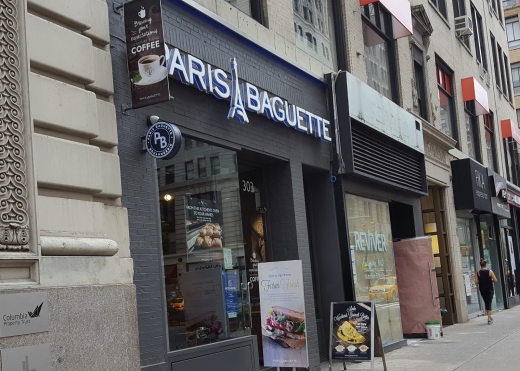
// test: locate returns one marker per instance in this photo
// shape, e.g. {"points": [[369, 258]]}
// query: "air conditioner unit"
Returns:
{"points": [[463, 26]]}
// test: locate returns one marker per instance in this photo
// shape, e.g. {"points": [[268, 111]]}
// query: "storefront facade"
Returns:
{"points": [[239, 192], [376, 203], [482, 212]]}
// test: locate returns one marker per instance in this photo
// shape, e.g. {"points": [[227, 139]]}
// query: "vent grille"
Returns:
{"points": [[380, 157]]}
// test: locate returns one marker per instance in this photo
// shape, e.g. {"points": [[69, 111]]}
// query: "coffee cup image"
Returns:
{"points": [[151, 69]]}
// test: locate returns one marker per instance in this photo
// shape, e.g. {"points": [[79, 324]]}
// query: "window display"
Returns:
{"points": [[490, 247], [470, 262], [203, 250], [373, 264]]}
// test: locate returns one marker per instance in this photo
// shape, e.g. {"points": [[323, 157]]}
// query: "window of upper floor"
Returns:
{"points": [[478, 37], [513, 32], [253, 8], [441, 7]]}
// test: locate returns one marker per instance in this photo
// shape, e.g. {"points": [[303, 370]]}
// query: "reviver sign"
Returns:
{"points": [[22, 314]]}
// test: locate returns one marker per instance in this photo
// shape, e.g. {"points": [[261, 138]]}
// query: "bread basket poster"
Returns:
{"points": [[282, 306], [351, 334]]}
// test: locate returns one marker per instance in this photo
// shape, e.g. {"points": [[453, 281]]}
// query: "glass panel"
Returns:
{"points": [[470, 136], [315, 30], [242, 5], [203, 251], [470, 260], [446, 114], [376, 61], [489, 243], [373, 262]]}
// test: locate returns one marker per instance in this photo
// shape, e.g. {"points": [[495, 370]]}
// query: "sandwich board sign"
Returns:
{"points": [[354, 333], [282, 307]]}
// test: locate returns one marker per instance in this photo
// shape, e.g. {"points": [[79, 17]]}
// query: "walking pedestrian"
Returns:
{"points": [[484, 279]]}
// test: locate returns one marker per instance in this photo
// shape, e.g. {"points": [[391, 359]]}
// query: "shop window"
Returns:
{"points": [[215, 165], [495, 60], [441, 7], [202, 167], [472, 133], [420, 82], [489, 126], [513, 32], [466, 230], [446, 106], [169, 177], [373, 264], [203, 253], [480, 49], [379, 49], [190, 170], [515, 69]]}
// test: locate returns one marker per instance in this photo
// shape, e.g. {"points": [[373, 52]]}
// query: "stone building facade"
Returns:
{"points": [[64, 231]]}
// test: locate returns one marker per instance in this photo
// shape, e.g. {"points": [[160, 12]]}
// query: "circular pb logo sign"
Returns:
{"points": [[163, 140]]}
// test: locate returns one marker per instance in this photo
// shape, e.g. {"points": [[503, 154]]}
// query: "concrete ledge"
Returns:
{"points": [[107, 124], [63, 164], [75, 13], [111, 175], [70, 246], [99, 31], [63, 107], [103, 79], [58, 50]]}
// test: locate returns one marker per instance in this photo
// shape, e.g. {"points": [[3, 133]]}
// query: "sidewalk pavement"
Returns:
{"points": [[470, 346]]}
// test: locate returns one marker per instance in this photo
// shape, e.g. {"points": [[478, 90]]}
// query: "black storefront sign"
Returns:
{"points": [[471, 186], [146, 53], [499, 203]]}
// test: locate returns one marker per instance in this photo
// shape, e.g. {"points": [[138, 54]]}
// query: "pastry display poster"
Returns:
{"points": [[282, 308], [204, 306], [351, 331], [146, 51], [204, 236]]}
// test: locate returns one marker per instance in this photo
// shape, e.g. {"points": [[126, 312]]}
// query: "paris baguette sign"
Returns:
{"points": [[243, 96]]}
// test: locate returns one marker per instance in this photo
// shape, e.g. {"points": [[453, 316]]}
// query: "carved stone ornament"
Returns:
{"points": [[14, 220]]}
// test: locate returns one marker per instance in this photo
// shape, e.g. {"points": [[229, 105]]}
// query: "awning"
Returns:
{"points": [[510, 130], [473, 91], [401, 12]]}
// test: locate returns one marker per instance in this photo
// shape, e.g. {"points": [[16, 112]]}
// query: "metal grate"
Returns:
{"points": [[380, 157]]}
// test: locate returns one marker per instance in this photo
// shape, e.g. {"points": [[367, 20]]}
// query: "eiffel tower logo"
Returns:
{"points": [[25, 365]]}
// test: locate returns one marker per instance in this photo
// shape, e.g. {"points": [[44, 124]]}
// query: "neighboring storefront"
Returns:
{"points": [[481, 211], [512, 230], [254, 160], [381, 203]]}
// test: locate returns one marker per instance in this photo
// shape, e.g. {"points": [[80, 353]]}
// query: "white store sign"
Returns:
{"points": [[243, 96]]}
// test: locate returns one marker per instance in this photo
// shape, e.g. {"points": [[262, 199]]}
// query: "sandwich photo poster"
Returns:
{"points": [[352, 331], [146, 52], [282, 307]]}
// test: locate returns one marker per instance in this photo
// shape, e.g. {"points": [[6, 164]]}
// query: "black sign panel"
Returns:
{"points": [[352, 325], [499, 203], [471, 186], [146, 53], [163, 140]]}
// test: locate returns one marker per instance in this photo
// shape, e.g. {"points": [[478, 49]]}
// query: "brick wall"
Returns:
{"points": [[203, 115]]}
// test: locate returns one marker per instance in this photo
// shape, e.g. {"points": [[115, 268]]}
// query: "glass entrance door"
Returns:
{"points": [[490, 248]]}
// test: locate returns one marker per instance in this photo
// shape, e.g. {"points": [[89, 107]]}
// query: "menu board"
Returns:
{"points": [[204, 306], [282, 307], [352, 331]]}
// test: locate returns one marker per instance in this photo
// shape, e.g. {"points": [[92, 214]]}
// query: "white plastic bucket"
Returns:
{"points": [[434, 330]]}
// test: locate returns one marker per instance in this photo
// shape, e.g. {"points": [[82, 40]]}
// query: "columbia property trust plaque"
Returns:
{"points": [[22, 314]]}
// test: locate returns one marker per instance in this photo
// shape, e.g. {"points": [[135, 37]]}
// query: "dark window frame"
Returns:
{"points": [[502, 70], [384, 30], [480, 47], [203, 170], [459, 8], [511, 20], [495, 60], [440, 5], [469, 109], [447, 72], [510, 94], [169, 176], [489, 127], [215, 165], [420, 80], [516, 66], [190, 174]]}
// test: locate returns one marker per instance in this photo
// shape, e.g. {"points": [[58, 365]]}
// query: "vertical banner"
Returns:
{"points": [[282, 306], [145, 50]]}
